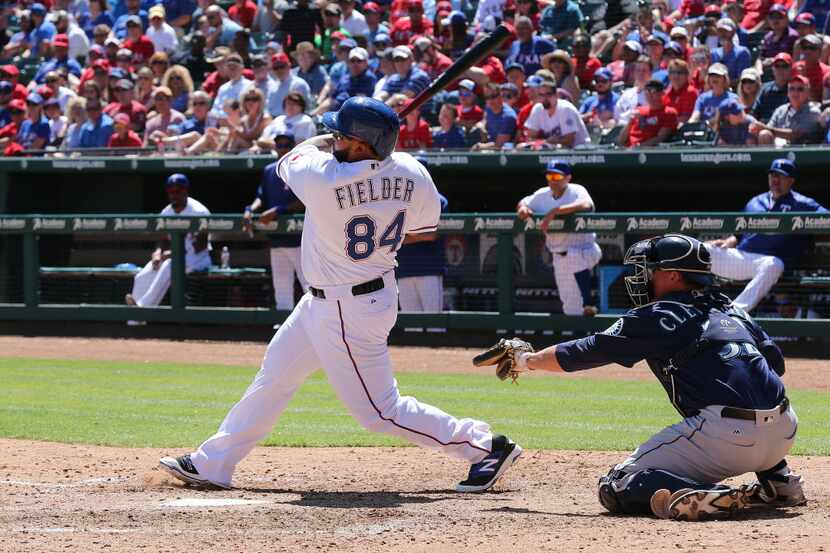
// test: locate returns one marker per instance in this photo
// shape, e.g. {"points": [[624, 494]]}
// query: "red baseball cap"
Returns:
{"points": [[337, 35], [801, 79], [101, 64], [783, 56], [44, 91], [282, 58], [805, 18], [371, 7], [17, 104], [60, 41], [415, 4], [122, 118], [712, 9], [10, 70]]}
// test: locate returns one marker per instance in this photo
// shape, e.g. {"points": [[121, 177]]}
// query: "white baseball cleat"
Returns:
{"points": [[183, 469], [698, 505], [484, 474]]}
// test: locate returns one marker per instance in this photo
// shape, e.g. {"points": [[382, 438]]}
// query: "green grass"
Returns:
{"points": [[161, 405]]}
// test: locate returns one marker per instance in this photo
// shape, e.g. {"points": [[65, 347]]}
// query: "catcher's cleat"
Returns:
{"points": [[698, 505], [183, 469], [788, 493], [607, 497], [484, 474]]}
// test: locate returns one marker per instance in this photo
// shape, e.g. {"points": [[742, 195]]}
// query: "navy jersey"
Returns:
{"points": [[701, 349], [423, 258], [787, 247], [273, 192]]}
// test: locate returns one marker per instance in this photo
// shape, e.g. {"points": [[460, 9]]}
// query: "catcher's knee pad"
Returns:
{"points": [[621, 492]]}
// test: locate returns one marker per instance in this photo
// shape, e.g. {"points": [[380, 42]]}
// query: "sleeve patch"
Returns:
{"points": [[615, 329]]}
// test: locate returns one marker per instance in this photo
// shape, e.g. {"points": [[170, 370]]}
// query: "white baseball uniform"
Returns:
{"points": [[150, 284], [574, 254], [565, 120], [762, 272], [357, 215]]}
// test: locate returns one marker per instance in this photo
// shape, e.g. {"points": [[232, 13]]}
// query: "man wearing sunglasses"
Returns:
{"points": [[363, 201], [500, 120], [774, 93], [796, 122], [811, 66], [574, 254]]}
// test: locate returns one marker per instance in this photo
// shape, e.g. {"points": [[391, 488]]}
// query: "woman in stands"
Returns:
{"points": [[255, 119], [76, 115], [559, 63], [178, 80]]}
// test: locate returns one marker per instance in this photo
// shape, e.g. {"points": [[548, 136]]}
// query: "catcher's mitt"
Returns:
{"points": [[505, 355]]}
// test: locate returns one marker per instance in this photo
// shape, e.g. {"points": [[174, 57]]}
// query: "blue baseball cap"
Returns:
{"points": [[559, 166], [783, 166], [38, 9], [534, 81], [6, 87], [177, 179], [658, 36], [730, 106], [118, 73], [34, 98], [382, 38], [347, 43], [514, 65], [604, 73]]}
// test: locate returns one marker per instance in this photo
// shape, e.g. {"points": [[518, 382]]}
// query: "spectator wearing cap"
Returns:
{"points": [[332, 31], [19, 43], [820, 9], [8, 134], [749, 86], [178, 80], [141, 46], [561, 19], [515, 75], [623, 68], [811, 67], [555, 122], [42, 30], [673, 51], [309, 69], [300, 23], [263, 80], [193, 56], [655, 47], [133, 8], [76, 38], [58, 123], [429, 58], [224, 28], [408, 79], [124, 59], [11, 74], [448, 135], [755, 14], [123, 136], [762, 258], [781, 38], [287, 83], [353, 21], [60, 58], [532, 87], [372, 13], [96, 131], [707, 33], [460, 38], [160, 33], [293, 122], [33, 131], [358, 81], [528, 48], [99, 14], [415, 24], [243, 12], [499, 125], [585, 65], [198, 118], [736, 58], [233, 88], [561, 65], [732, 125], [633, 96], [415, 133], [652, 123], [386, 68], [798, 121], [219, 76], [681, 94], [6, 91], [805, 24], [157, 126], [341, 54], [680, 35], [774, 93], [125, 103], [100, 34], [708, 102], [510, 95], [469, 112], [597, 110]]}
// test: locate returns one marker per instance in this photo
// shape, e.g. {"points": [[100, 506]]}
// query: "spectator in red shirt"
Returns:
{"points": [[681, 95], [469, 113], [11, 73], [124, 136], [219, 77], [687, 9], [585, 65], [17, 112], [652, 123], [755, 14], [534, 82], [243, 12], [431, 60], [137, 41], [407, 28], [415, 134], [810, 66], [125, 104]]}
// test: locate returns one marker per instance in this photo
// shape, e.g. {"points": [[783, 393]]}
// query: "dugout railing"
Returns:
{"points": [[501, 229]]}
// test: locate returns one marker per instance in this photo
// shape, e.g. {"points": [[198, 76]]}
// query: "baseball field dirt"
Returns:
{"points": [[60, 497]]}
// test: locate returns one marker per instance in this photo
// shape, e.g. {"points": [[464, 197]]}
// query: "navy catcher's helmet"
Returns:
{"points": [[670, 252], [368, 120]]}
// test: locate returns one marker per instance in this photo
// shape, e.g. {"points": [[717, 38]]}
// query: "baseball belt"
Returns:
{"points": [[750, 414], [357, 289]]}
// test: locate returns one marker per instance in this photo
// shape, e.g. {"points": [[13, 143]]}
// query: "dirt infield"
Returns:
{"points": [[58, 497]]}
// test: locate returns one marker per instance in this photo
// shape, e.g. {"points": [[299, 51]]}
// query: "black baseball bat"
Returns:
{"points": [[462, 64]]}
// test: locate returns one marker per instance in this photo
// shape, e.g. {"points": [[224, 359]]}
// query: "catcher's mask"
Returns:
{"points": [[670, 252]]}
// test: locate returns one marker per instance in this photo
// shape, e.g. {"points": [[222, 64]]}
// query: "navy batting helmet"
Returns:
{"points": [[670, 252], [368, 120]]}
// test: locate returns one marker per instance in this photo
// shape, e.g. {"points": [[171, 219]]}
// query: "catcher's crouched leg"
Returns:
{"points": [[623, 493]]}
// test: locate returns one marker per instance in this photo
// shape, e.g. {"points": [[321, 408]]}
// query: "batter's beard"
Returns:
{"points": [[341, 155]]}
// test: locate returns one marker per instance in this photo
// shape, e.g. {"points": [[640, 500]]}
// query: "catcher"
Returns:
{"points": [[720, 370]]}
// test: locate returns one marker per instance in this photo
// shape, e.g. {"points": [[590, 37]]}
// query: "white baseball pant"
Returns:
{"points": [[285, 263], [421, 293], [762, 272], [346, 336], [150, 284], [567, 268]]}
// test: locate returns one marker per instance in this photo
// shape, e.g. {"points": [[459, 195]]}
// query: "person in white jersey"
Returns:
{"points": [[554, 121], [152, 282], [574, 253], [362, 202]]}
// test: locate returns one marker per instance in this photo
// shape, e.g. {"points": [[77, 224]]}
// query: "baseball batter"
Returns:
{"points": [[721, 372], [362, 202], [574, 254]]}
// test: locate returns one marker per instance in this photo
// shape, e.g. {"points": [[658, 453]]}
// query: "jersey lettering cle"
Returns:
{"points": [[357, 214]]}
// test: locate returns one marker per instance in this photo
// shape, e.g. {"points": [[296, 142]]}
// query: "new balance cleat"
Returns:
{"points": [[484, 474], [698, 505], [183, 469]]}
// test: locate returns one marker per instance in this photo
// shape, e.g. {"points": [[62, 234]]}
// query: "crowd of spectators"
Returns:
{"points": [[195, 77]]}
